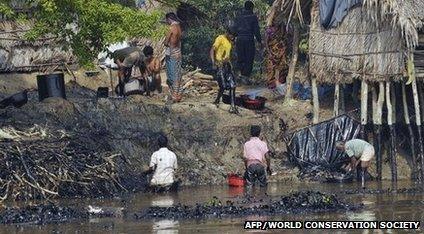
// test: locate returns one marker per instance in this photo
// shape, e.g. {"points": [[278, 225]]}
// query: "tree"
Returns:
{"points": [[198, 38], [87, 26]]}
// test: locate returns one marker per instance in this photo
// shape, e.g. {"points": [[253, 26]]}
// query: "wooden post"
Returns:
{"points": [[364, 108], [378, 101], [111, 82], [342, 99], [421, 129], [420, 87], [276, 6], [393, 98], [336, 100], [421, 95], [392, 134], [411, 132], [418, 122], [315, 101], [292, 67]]}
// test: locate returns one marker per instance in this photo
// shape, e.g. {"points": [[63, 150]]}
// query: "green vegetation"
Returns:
{"points": [[89, 26], [199, 38]]}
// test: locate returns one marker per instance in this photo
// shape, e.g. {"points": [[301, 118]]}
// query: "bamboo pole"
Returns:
{"points": [[374, 99], [418, 123], [378, 101], [411, 132], [392, 134], [421, 96], [292, 67], [364, 108], [336, 100], [416, 103], [393, 99], [342, 100], [315, 100], [276, 6], [111, 82]]}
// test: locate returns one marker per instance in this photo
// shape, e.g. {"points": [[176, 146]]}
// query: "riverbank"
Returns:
{"points": [[208, 140]]}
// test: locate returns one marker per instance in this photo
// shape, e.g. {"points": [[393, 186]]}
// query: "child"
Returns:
{"points": [[220, 54]]}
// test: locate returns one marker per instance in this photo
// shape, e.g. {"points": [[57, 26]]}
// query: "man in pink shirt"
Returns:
{"points": [[256, 158]]}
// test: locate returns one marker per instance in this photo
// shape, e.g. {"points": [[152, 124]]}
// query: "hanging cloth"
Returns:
{"points": [[332, 12]]}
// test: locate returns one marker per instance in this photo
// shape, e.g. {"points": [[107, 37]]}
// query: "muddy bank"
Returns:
{"points": [[43, 163], [207, 140]]}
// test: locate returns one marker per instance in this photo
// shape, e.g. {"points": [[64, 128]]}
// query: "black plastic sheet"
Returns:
{"points": [[315, 145]]}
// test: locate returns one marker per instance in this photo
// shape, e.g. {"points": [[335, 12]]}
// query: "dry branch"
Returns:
{"points": [[42, 163]]}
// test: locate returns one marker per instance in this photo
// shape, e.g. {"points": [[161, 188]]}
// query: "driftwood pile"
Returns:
{"points": [[195, 83], [39, 163]]}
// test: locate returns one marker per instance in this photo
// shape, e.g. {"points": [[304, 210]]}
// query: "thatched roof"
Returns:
{"points": [[20, 55], [406, 14], [357, 48], [371, 43]]}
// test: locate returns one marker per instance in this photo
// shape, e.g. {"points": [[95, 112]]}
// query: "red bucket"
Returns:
{"points": [[254, 104], [235, 180]]}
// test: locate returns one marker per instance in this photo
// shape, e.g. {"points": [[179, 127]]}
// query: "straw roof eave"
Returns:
{"points": [[408, 15]]}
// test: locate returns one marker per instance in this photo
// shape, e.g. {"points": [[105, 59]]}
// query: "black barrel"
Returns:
{"points": [[102, 92], [52, 85]]}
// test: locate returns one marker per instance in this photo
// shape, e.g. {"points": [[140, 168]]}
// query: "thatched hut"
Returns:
{"points": [[371, 43], [377, 42], [17, 54], [20, 55]]}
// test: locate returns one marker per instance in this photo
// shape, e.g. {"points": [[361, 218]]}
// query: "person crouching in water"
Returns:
{"points": [[256, 158], [359, 151], [220, 54], [126, 59], [163, 164]]}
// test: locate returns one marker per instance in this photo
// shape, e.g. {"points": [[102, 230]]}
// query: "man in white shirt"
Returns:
{"points": [[163, 163]]}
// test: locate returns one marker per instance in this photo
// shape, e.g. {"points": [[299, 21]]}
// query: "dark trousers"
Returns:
{"points": [[245, 48], [120, 89], [256, 173], [225, 78]]}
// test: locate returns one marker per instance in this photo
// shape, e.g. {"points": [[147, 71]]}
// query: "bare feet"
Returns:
{"points": [[234, 110]]}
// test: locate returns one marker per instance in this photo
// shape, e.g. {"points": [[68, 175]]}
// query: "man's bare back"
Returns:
{"points": [[173, 39]]}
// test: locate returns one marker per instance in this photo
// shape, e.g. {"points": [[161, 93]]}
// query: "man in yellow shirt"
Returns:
{"points": [[220, 54]]}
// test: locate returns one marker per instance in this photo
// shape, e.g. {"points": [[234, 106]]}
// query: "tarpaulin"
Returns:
{"points": [[315, 145], [332, 12]]}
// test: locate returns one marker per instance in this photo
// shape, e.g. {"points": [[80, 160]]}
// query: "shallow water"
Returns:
{"points": [[383, 207]]}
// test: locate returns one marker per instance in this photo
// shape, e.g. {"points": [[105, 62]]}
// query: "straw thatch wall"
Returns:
{"points": [[408, 15], [20, 55], [372, 42], [358, 48]]}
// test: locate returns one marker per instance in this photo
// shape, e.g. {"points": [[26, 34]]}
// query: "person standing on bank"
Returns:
{"points": [[256, 158], [247, 28], [220, 55], [359, 151], [173, 56]]}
